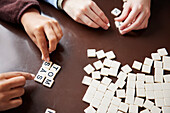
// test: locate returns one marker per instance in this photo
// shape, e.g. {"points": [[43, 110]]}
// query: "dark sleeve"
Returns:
{"points": [[12, 10]]}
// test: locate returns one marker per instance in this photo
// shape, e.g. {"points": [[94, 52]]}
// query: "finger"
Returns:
{"points": [[124, 14], [14, 82], [58, 30], [99, 12], [88, 21], [14, 93], [15, 103], [28, 76], [51, 36], [132, 15], [144, 23], [96, 19], [42, 44], [137, 23]]}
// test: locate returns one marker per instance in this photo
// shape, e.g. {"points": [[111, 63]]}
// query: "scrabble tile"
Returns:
{"points": [[115, 11], [148, 61], [119, 112], [166, 59], [158, 78], [159, 102], [99, 95], [91, 52], [166, 93], [107, 62], [116, 101], [90, 109], [133, 109], [157, 87], [87, 98], [131, 77], [118, 24], [48, 110], [166, 66], [166, 109], [131, 84], [158, 64], [112, 109], [95, 83], [155, 109], [139, 101], [129, 99], [91, 91], [120, 93], [86, 80], [96, 75], [47, 64], [149, 79], [89, 69], [109, 94], [146, 69], [167, 78], [102, 88], [106, 81], [123, 107], [115, 64], [98, 64], [140, 93], [145, 111], [126, 68], [148, 104], [122, 75], [113, 72], [120, 83], [167, 102], [140, 84], [155, 56], [137, 65], [105, 71], [162, 52], [112, 87], [165, 86], [51, 74], [56, 68], [43, 71], [150, 94], [95, 103], [100, 54], [149, 87], [102, 109], [130, 92], [106, 102], [140, 77], [159, 71], [48, 82], [39, 78], [110, 55]]}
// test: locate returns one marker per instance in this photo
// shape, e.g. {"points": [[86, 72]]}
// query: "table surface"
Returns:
{"points": [[18, 53]]}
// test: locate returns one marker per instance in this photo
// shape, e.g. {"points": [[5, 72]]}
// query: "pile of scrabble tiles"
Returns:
{"points": [[132, 92], [47, 73]]}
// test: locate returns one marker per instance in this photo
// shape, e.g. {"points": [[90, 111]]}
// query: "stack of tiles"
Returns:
{"points": [[47, 73], [131, 91]]}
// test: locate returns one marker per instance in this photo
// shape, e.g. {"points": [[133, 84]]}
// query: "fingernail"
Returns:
{"points": [[105, 27], [48, 59], [42, 57], [32, 75], [108, 24]]}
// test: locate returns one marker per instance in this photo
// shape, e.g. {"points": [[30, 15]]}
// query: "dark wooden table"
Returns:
{"points": [[18, 53]]}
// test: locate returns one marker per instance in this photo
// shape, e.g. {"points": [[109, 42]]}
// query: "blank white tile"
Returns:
{"points": [[162, 52], [158, 78], [102, 109], [131, 84], [110, 55], [102, 88], [113, 71], [166, 109], [48, 82], [159, 102], [149, 79], [131, 77], [155, 56], [87, 98], [158, 64], [119, 112], [90, 109], [166, 66], [100, 54], [140, 84], [99, 95], [112, 87], [140, 77], [95, 83], [116, 11], [86, 80], [39, 78], [148, 104], [167, 102], [116, 101], [47, 64], [157, 86], [123, 107], [95, 103], [150, 94], [120, 83], [122, 75], [48, 110], [106, 102], [167, 78], [165, 86], [107, 62], [148, 61], [137, 65], [146, 69], [139, 101], [56, 68], [96, 75], [166, 93], [90, 91], [120, 93], [105, 71], [149, 87], [112, 109], [155, 109], [89, 69], [158, 71], [166, 59], [126, 68], [115, 64], [106, 81], [145, 111], [129, 99], [98, 64], [109, 94], [133, 109], [130, 92], [91, 52], [140, 93]]}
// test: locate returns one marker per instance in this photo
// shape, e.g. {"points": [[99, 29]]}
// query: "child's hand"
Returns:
{"points": [[86, 12], [135, 15], [11, 89], [42, 31]]}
